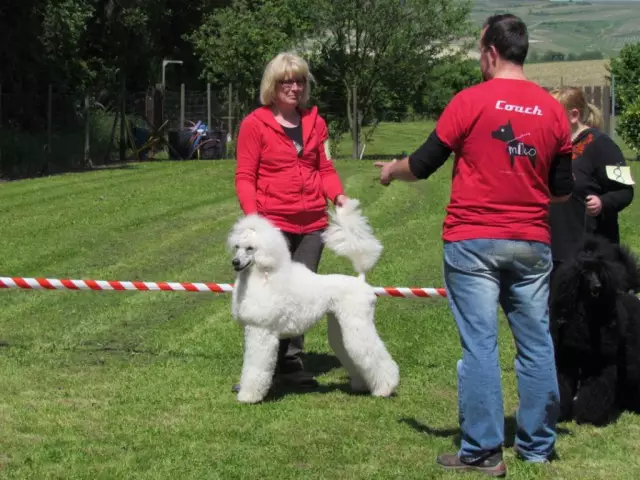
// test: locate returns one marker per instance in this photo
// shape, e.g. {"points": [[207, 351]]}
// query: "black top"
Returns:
{"points": [[592, 152], [295, 134], [434, 152]]}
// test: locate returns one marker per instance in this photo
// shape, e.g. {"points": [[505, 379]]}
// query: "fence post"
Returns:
{"points": [[230, 107], [50, 119], [182, 100], [356, 129], [612, 124], [123, 105], [606, 108], [87, 132], [209, 106]]}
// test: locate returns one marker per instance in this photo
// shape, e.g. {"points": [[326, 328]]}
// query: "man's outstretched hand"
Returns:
{"points": [[386, 171]]}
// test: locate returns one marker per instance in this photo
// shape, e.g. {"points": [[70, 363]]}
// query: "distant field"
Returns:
{"points": [[571, 26], [552, 74]]}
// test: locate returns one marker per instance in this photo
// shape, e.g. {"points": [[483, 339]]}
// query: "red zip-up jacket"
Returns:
{"points": [[272, 180]]}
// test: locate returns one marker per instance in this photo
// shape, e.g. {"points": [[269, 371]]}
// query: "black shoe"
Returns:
{"points": [[298, 378], [492, 464]]}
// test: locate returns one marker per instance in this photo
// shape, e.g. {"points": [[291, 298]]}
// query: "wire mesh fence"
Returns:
{"points": [[53, 130]]}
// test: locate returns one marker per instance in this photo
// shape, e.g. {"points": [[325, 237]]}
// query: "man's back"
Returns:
{"points": [[508, 132]]}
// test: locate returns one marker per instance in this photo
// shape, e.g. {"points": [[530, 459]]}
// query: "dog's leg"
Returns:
{"points": [[368, 353], [568, 374], [595, 402], [568, 386], [260, 356], [337, 345]]}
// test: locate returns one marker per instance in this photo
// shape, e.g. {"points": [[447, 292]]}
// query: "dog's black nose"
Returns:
{"points": [[235, 262]]}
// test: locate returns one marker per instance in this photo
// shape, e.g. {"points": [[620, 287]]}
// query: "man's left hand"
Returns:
{"points": [[594, 205], [386, 170]]}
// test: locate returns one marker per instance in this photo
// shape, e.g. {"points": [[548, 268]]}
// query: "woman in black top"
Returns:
{"points": [[603, 182]]}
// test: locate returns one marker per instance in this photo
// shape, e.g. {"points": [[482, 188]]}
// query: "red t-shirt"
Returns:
{"points": [[504, 134]]}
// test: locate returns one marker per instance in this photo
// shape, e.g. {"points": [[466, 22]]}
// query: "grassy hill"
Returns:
{"points": [[138, 384], [571, 27]]}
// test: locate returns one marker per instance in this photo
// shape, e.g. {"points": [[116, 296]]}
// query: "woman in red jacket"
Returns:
{"points": [[284, 172]]}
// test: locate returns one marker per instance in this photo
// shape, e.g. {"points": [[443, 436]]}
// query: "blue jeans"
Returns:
{"points": [[479, 274]]}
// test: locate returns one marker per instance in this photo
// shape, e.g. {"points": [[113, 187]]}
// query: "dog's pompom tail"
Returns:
{"points": [[631, 263], [350, 235]]}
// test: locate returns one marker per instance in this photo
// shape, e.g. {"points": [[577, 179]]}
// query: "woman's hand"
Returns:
{"points": [[340, 200], [594, 205]]}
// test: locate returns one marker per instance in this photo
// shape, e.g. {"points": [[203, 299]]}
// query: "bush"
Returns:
{"points": [[628, 126], [447, 79], [626, 71]]}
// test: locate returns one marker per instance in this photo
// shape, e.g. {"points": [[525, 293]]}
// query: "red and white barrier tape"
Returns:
{"points": [[114, 285]]}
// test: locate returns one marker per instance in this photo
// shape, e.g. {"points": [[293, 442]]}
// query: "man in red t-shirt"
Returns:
{"points": [[512, 149]]}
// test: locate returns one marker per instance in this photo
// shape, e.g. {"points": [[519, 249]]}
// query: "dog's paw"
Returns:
{"points": [[245, 396], [383, 392]]}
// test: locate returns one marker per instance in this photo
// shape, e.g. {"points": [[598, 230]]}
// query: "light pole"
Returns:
{"points": [[164, 64]]}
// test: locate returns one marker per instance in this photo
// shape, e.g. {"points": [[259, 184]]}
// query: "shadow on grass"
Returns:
{"points": [[320, 363], [510, 428], [371, 157], [55, 171], [316, 364], [96, 168]]}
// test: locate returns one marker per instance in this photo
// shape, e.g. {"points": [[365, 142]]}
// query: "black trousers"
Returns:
{"points": [[306, 249]]}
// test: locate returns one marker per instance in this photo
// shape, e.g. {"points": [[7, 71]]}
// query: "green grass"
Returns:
{"points": [[137, 384]]}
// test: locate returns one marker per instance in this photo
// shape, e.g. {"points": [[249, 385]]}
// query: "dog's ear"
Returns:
{"points": [[264, 260]]}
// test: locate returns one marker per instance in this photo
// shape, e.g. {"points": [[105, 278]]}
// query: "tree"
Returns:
{"points": [[629, 126], [371, 56], [450, 76], [625, 70], [235, 43]]}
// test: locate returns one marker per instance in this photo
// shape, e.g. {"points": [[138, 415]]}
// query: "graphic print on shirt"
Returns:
{"points": [[514, 146], [578, 148]]}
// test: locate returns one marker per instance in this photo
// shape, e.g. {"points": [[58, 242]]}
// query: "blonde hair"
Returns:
{"points": [[281, 67], [574, 97]]}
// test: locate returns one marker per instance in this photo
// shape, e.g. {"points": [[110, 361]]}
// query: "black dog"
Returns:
{"points": [[595, 324], [515, 148]]}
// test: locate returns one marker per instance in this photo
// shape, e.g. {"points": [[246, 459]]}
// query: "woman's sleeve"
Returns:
{"points": [[331, 183], [247, 162], [612, 173]]}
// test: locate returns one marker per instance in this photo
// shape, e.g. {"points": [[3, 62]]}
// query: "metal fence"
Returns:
{"points": [[53, 130]]}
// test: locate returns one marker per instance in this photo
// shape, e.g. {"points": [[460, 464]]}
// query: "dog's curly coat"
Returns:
{"points": [[595, 324], [275, 297]]}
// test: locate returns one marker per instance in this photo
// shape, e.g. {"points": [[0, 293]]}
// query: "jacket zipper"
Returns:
{"points": [[292, 146]]}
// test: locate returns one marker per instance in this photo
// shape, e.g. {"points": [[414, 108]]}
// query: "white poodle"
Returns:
{"points": [[275, 298]]}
